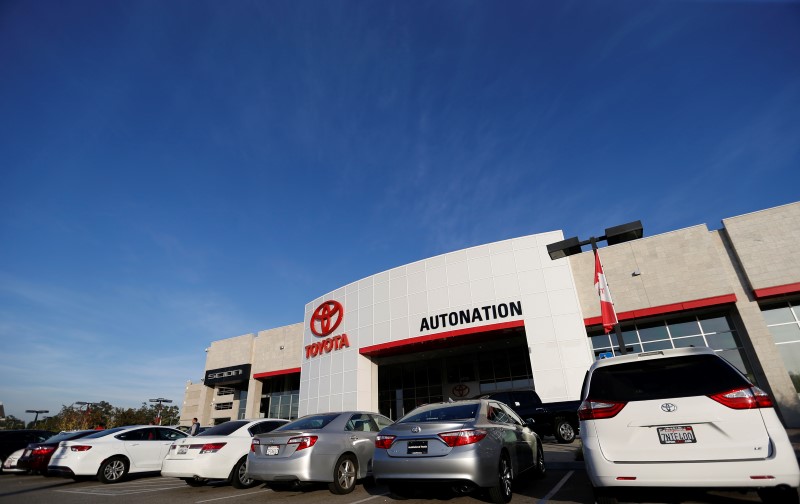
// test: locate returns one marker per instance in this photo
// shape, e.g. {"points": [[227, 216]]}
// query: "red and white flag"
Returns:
{"points": [[607, 312]]}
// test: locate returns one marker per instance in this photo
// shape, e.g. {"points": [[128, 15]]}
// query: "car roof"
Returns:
{"points": [[656, 354]]}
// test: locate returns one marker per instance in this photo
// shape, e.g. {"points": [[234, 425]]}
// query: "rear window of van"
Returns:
{"points": [[682, 376]]}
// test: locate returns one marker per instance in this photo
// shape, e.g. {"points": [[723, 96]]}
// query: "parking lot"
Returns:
{"points": [[566, 482]]}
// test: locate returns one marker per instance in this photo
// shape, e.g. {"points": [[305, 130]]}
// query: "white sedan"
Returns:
{"points": [[113, 453], [219, 452]]}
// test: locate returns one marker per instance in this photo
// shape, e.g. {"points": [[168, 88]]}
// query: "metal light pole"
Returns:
{"points": [[37, 411], [614, 235], [160, 400]]}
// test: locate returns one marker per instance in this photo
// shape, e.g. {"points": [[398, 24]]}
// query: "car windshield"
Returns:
{"points": [[224, 429], [443, 414], [664, 378], [309, 422]]}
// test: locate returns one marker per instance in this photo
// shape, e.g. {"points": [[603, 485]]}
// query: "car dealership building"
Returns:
{"points": [[505, 315]]}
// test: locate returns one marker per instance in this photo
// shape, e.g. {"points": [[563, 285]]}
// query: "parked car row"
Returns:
{"points": [[467, 445]]}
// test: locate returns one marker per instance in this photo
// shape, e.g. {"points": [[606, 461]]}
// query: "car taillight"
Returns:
{"points": [[303, 442], [80, 448], [743, 398], [211, 447], [255, 442], [463, 437], [43, 450], [595, 410], [384, 441]]}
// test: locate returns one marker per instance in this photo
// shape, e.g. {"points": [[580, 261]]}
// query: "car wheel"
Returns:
{"points": [[113, 470], [501, 492], [194, 482], [344, 475], [239, 477], [564, 431], [778, 495], [539, 468]]}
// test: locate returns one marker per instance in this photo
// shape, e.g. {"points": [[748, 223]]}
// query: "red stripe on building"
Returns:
{"points": [[778, 290], [374, 349], [664, 309], [276, 373]]}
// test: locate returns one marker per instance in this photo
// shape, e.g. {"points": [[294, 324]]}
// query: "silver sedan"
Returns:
{"points": [[470, 444], [336, 448]]}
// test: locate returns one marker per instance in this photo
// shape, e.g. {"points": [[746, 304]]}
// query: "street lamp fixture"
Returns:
{"points": [[159, 401], [614, 235], [37, 411]]}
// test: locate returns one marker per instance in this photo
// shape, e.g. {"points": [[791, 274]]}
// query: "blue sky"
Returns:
{"points": [[175, 173]]}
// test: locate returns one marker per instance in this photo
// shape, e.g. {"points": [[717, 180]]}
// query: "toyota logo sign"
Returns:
{"points": [[326, 318], [668, 407]]}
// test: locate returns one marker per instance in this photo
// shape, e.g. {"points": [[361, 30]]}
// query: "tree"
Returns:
{"points": [[12, 422]]}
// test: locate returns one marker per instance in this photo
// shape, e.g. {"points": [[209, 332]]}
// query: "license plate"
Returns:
{"points": [[182, 450], [272, 450], [676, 435], [417, 447]]}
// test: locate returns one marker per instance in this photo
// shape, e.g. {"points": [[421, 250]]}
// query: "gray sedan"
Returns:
{"points": [[336, 448], [470, 444]]}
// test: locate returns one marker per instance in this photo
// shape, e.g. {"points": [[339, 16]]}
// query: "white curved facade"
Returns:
{"points": [[506, 284]]}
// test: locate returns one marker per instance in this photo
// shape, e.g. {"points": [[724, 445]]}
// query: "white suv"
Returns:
{"points": [[682, 418]]}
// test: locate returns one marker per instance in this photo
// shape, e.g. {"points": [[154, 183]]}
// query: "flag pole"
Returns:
{"points": [[617, 330]]}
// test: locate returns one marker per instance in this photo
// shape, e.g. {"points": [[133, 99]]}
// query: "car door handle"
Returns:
{"points": [[353, 438]]}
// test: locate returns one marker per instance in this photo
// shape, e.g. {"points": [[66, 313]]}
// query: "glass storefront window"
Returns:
{"points": [[652, 332], [691, 341], [714, 324], [783, 320], [656, 345], [780, 314], [721, 341], [684, 327], [785, 333], [713, 330]]}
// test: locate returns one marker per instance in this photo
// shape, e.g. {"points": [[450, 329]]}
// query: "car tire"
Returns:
{"points": [[400, 491], [603, 496], [238, 477], [345, 473], [539, 467], [564, 432], [779, 495], [113, 470], [194, 482], [501, 492]]}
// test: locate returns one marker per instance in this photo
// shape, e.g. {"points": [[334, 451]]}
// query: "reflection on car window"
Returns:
{"points": [[443, 414], [223, 429], [268, 426], [310, 422], [663, 378]]}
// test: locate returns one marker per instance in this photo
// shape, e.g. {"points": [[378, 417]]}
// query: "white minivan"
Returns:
{"points": [[682, 418]]}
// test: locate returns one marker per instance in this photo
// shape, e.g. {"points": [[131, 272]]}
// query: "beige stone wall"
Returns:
{"points": [[767, 244], [196, 403], [230, 352], [278, 349], [757, 340], [673, 267]]}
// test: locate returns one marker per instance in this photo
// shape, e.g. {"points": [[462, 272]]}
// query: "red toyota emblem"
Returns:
{"points": [[326, 318], [460, 390]]}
